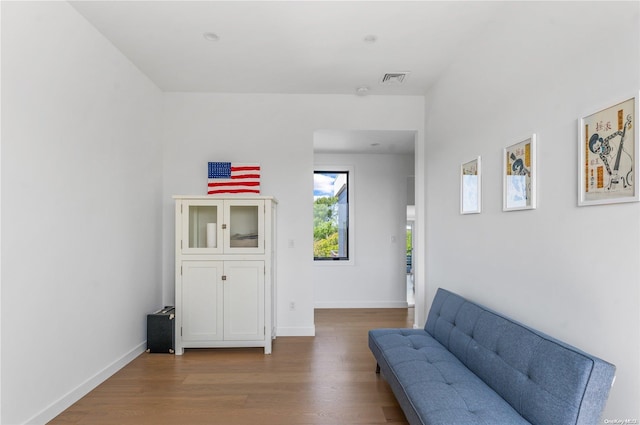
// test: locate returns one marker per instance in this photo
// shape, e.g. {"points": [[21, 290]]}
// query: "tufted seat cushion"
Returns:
{"points": [[439, 388], [470, 365]]}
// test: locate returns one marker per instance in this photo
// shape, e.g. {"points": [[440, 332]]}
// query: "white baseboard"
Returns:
{"points": [[302, 331], [63, 403], [362, 304]]}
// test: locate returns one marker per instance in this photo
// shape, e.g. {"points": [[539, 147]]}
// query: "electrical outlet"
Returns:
{"points": [[292, 306]]}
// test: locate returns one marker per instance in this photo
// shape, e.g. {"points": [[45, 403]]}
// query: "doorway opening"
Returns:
{"points": [[411, 288], [373, 153]]}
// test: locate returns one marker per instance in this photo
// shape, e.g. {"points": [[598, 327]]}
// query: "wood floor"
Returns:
{"points": [[327, 379]]}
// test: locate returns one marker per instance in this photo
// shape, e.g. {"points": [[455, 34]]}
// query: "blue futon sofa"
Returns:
{"points": [[471, 366]]}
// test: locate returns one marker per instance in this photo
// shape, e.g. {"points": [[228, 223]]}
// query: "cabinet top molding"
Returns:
{"points": [[226, 196]]}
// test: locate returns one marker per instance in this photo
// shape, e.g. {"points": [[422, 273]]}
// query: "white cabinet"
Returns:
{"points": [[225, 272], [222, 301]]}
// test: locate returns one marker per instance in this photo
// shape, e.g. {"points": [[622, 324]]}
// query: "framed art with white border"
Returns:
{"points": [[608, 146], [519, 175], [471, 187]]}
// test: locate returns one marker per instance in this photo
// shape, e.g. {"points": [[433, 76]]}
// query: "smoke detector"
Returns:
{"points": [[394, 77], [362, 91]]}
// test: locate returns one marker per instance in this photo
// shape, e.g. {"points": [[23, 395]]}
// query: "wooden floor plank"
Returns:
{"points": [[328, 379]]}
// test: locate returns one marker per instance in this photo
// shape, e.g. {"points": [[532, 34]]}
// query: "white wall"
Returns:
{"points": [[572, 272], [276, 131], [377, 277], [0, 223], [81, 212]]}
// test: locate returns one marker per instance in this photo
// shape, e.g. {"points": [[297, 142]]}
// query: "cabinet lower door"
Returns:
{"points": [[244, 300], [202, 300]]}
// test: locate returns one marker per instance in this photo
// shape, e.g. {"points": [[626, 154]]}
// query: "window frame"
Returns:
{"points": [[349, 259]]}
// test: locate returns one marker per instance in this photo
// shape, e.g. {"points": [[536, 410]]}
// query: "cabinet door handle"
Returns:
{"points": [[224, 226], [224, 277]]}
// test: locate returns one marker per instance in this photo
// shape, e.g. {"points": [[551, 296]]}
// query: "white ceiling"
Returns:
{"points": [[321, 47], [364, 141], [289, 46], [305, 47]]}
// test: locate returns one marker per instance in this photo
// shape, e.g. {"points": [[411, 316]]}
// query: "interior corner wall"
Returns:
{"points": [[0, 221], [81, 213], [275, 130], [377, 276], [569, 271]]}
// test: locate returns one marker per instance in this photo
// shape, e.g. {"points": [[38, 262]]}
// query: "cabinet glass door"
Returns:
{"points": [[202, 228], [245, 232]]}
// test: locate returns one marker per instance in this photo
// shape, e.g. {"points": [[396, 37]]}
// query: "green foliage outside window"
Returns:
{"points": [[325, 227]]}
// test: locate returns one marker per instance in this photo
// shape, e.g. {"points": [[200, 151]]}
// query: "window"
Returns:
{"points": [[331, 215]]}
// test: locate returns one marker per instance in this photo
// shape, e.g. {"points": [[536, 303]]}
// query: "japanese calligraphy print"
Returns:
{"points": [[608, 146], [470, 187], [519, 190]]}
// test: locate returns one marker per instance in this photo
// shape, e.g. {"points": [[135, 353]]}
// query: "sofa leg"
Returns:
{"points": [[377, 368]]}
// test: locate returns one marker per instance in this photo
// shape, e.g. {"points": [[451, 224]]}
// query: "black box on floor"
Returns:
{"points": [[161, 331]]}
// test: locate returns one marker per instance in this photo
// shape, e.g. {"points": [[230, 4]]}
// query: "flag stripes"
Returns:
{"points": [[226, 177]]}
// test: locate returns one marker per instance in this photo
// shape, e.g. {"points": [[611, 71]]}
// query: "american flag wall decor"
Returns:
{"points": [[228, 177]]}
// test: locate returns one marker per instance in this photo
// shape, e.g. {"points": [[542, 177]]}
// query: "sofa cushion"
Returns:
{"points": [[543, 379], [432, 385]]}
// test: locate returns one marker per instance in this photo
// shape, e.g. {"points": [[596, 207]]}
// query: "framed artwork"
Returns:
{"points": [[519, 179], [608, 146], [231, 177], [470, 187]]}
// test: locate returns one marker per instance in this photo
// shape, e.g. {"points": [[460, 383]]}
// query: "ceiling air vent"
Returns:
{"points": [[394, 77]]}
